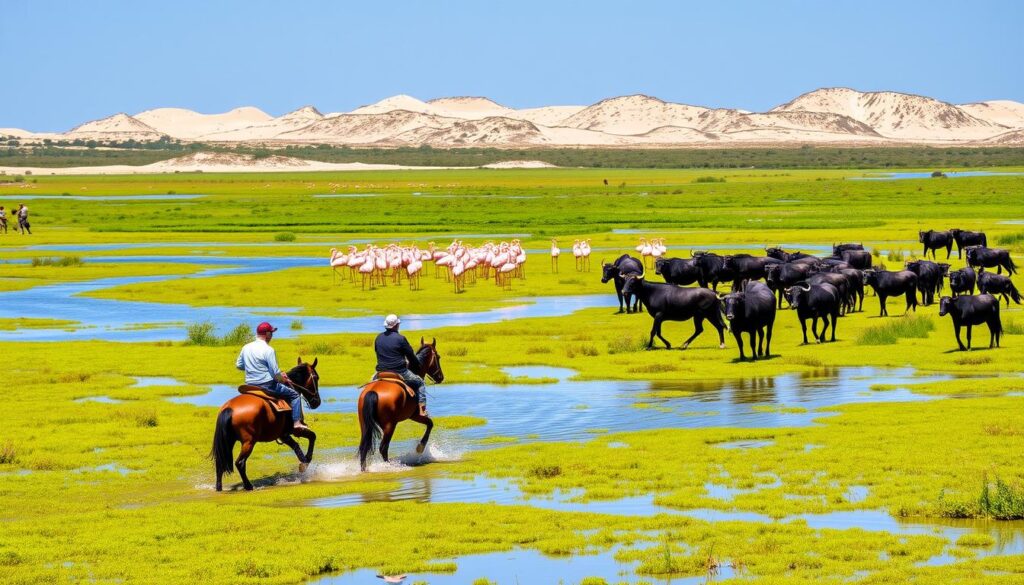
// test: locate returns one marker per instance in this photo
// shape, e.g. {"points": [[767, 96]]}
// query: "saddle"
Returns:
{"points": [[276, 404], [396, 379]]}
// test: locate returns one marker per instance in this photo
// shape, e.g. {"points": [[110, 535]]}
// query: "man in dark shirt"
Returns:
{"points": [[394, 354]]}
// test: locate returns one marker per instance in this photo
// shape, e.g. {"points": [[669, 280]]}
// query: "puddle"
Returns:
{"points": [[540, 372], [103, 399], [345, 195], [107, 467], [744, 444], [146, 381], [856, 494]]}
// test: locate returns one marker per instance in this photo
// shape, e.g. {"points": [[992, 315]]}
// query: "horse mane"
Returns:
{"points": [[299, 373]]}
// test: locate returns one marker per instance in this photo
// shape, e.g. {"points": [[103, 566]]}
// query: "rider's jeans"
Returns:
{"points": [[280, 390], [417, 383]]}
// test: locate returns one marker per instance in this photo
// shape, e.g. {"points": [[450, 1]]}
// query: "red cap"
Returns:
{"points": [[264, 328]]}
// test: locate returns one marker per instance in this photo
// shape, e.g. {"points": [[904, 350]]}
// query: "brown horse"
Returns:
{"points": [[250, 419], [382, 405]]}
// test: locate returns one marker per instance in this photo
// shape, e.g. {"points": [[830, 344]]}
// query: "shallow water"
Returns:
{"points": [[169, 197], [574, 409], [928, 175], [531, 567], [123, 320]]}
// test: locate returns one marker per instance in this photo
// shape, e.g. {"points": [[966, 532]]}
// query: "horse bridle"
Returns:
{"points": [[312, 380], [429, 365]]}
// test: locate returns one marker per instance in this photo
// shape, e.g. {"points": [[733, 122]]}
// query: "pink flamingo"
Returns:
{"points": [[645, 251], [585, 253], [554, 255], [367, 269], [577, 253]]}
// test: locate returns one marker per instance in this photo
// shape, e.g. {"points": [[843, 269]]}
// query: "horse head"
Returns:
{"points": [[306, 381], [430, 360]]}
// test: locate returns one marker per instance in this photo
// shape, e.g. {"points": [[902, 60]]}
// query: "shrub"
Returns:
{"points": [[891, 331], [586, 349], [709, 179], [62, 261], [1012, 327], [8, 454], [284, 237], [458, 351], [895, 256], [322, 347], [546, 471], [976, 539], [297, 325], [1001, 500], [627, 344], [203, 334]]}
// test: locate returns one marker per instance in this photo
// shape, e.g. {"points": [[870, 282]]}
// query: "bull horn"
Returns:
{"points": [[806, 288]]}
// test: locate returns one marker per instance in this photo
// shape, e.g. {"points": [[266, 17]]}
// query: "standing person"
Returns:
{"points": [[23, 224], [394, 354], [3, 219], [259, 362]]}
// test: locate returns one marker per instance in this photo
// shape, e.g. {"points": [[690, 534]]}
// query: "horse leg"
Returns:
{"points": [[248, 444], [427, 422], [310, 436], [388, 430], [288, 440]]}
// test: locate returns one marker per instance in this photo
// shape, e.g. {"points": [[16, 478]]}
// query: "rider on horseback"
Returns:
{"points": [[394, 354], [259, 361]]}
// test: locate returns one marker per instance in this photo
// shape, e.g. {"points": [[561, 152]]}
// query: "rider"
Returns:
{"points": [[259, 361], [394, 354]]}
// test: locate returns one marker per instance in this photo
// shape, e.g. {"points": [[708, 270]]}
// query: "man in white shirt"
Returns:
{"points": [[259, 361]]}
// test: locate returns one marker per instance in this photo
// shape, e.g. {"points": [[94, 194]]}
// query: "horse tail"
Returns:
{"points": [[223, 443], [371, 430]]}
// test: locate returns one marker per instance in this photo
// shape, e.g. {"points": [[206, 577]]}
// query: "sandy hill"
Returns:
{"points": [[366, 128], [1003, 112], [638, 114], [268, 129], [896, 115], [549, 115], [15, 133], [472, 108], [1011, 138], [394, 103], [116, 127], [495, 130], [189, 125]]}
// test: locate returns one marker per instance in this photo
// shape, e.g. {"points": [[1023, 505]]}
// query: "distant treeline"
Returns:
{"points": [[133, 153]]}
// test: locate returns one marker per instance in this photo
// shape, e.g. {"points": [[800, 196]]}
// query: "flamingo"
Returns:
{"points": [[577, 253], [504, 275], [366, 269], [554, 255], [585, 253], [645, 251]]}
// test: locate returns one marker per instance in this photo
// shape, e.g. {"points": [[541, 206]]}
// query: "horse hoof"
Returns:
{"points": [[419, 448], [303, 466], [721, 346]]}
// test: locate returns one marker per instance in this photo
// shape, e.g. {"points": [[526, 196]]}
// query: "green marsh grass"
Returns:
{"points": [[204, 334], [888, 333], [62, 262]]}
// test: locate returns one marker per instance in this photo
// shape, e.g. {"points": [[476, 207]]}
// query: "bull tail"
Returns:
{"points": [[1014, 293], [371, 430], [223, 443], [1010, 266]]}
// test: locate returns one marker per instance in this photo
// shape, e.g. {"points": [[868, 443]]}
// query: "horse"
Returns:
{"points": [[250, 419], [382, 405]]}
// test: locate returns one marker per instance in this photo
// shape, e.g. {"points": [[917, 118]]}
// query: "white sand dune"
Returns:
{"points": [[825, 116]]}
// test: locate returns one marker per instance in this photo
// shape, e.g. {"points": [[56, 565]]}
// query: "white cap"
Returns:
{"points": [[391, 321]]}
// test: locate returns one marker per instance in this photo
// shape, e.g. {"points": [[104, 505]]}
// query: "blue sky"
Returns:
{"points": [[68, 62]]}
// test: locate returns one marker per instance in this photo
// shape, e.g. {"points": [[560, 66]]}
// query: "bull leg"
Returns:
{"points": [[654, 330], [949, 250], [698, 328], [814, 327], [956, 328], [427, 422], [753, 346], [824, 327], [969, 328], [835, 319], [760, 341], [243, 456], [911, 302], [768, 340], [739, 343], [618, 293], [663, 340], [803, 327], [881, 301]]}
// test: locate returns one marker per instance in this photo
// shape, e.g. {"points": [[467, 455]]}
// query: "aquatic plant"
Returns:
{"points": [[203, 334], [284, 237], [1001, 500], [63, 261], [8, 454]]}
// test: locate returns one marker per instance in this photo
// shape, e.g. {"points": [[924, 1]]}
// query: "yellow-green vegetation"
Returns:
{"points": [[122, 491]]}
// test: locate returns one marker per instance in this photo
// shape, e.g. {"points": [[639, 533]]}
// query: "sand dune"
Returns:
{"points": [[824, 116]]}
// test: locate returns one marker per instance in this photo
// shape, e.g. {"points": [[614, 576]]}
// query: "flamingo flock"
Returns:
{"points": [[459, 263], [651, 250]]}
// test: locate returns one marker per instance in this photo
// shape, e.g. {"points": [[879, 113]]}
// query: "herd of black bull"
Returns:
{"points": [[816, 288]]}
